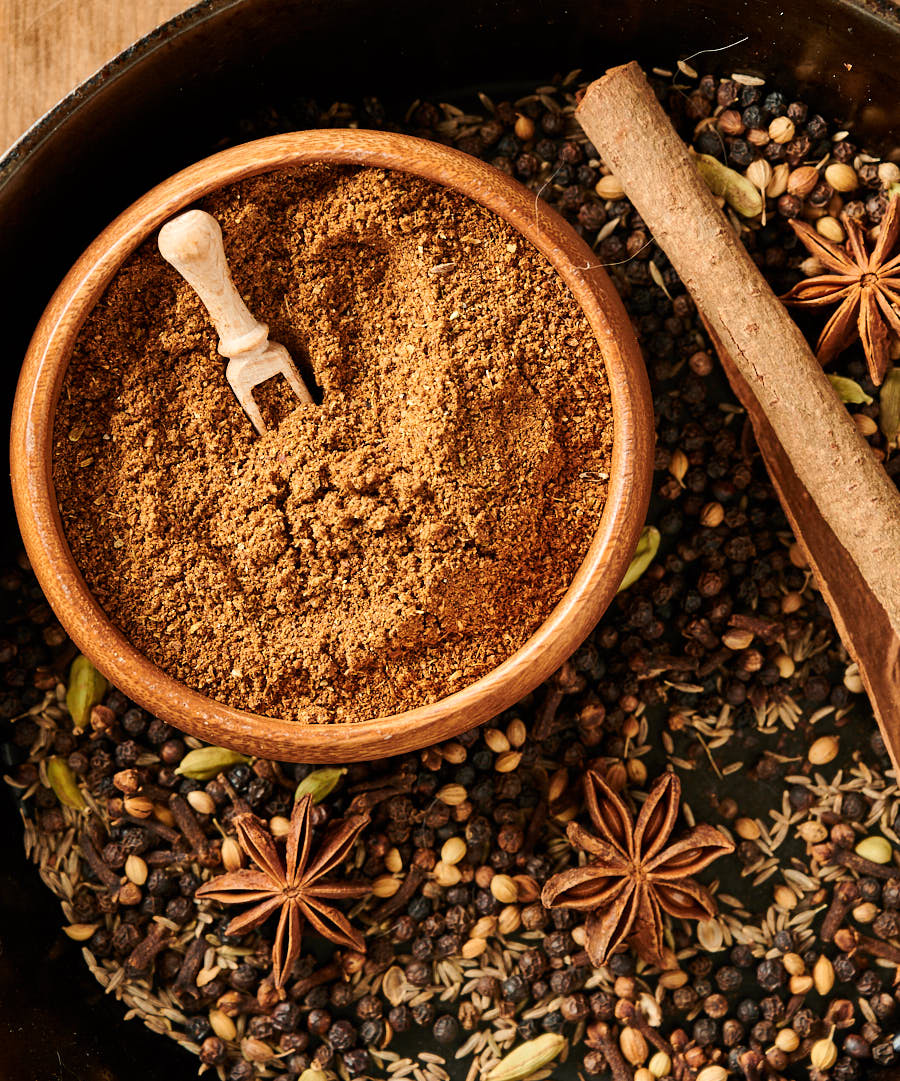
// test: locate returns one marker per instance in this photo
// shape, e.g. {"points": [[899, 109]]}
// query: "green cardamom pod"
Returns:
{"points": [[319, 783], [204, 763], [876, 849], [734, 188], [848, 390], [64, 784], [527, 1058], [889, 412], [86, 689], [644, 554]]}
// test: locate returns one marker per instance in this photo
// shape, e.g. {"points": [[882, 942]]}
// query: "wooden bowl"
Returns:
{"points": [[593, 586]]}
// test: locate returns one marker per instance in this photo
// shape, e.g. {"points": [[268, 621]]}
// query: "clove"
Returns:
{"points": [[769, 630], [144, 953], [414, 878], [166, 833], [862, 866], [187, 822], [845, 896], [599, 1036], [302, 987], [631, 1014], [565, 681], [101, 869], [850, 941], [185, 986]]}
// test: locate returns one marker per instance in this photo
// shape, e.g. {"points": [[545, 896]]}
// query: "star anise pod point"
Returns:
{"points": [[636, 871], [864, 285], [295, 887]]}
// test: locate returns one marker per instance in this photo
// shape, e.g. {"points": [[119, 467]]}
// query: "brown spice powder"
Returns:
{"points": [[377, 551]]}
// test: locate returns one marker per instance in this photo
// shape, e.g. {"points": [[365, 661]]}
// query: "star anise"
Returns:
{"points": [[296, 888], [865, 286], [636, 871]]}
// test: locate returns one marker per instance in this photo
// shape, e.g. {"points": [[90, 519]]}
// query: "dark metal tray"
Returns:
{"points": [[211, 78]]}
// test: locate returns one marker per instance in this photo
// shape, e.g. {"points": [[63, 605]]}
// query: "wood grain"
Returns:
{"points": [[47, 47], [590, 591]]}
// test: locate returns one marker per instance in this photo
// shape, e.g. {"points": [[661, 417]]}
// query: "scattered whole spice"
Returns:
{"points": [[643, 692], [636, 871], [295, 888], [875, 849], [865, 285], [378, 550]]}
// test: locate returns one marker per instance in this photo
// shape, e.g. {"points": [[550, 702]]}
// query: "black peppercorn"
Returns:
{"points": [[400, 1018], [318, 1022], [368, 1007], [213, 1051], [286, 1016], [158, 732], [403, 929], [446, 1029], [372, 1033], [574, 1007], [125, 937], [705, 1031], [527, 165], [747, 1011], [602, 1005], [418, 973], [772, 1008], [763, 1032], [423, 1013], [770, 974], [683, 998], [514, 987], [419, 907], [357, 1061], [239, 776], [197, 1029], [342, 1035], [845, 1069], [732, 1032], [261, 1026], [558, 943], [741, 956], [188, 883], [172, 751], [180, 909], [552, 1022], [422, 948], [134, 721], [243, 978]]}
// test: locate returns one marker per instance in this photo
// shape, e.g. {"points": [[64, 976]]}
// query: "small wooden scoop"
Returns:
{"points": [[192, 243]]}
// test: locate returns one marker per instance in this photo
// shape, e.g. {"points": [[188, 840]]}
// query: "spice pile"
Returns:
{"points": [[374, 552], [720, 661]]}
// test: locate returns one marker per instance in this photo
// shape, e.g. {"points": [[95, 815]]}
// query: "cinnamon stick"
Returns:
{"points": [[832, 463]]}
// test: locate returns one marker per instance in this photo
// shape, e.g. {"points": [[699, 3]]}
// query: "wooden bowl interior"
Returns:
{"points": [[558, 636]]}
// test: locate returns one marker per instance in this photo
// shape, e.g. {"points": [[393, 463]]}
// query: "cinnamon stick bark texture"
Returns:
{"points": [[860, 619], [832, 463]]}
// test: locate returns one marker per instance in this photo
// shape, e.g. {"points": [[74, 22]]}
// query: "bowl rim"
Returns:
{"points": [[565, 627]]}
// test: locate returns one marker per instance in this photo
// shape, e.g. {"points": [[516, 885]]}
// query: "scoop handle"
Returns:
{"points": [[192, 243]]}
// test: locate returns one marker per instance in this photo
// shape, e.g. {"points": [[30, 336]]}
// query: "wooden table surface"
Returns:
{"points": [[48, 46]]}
